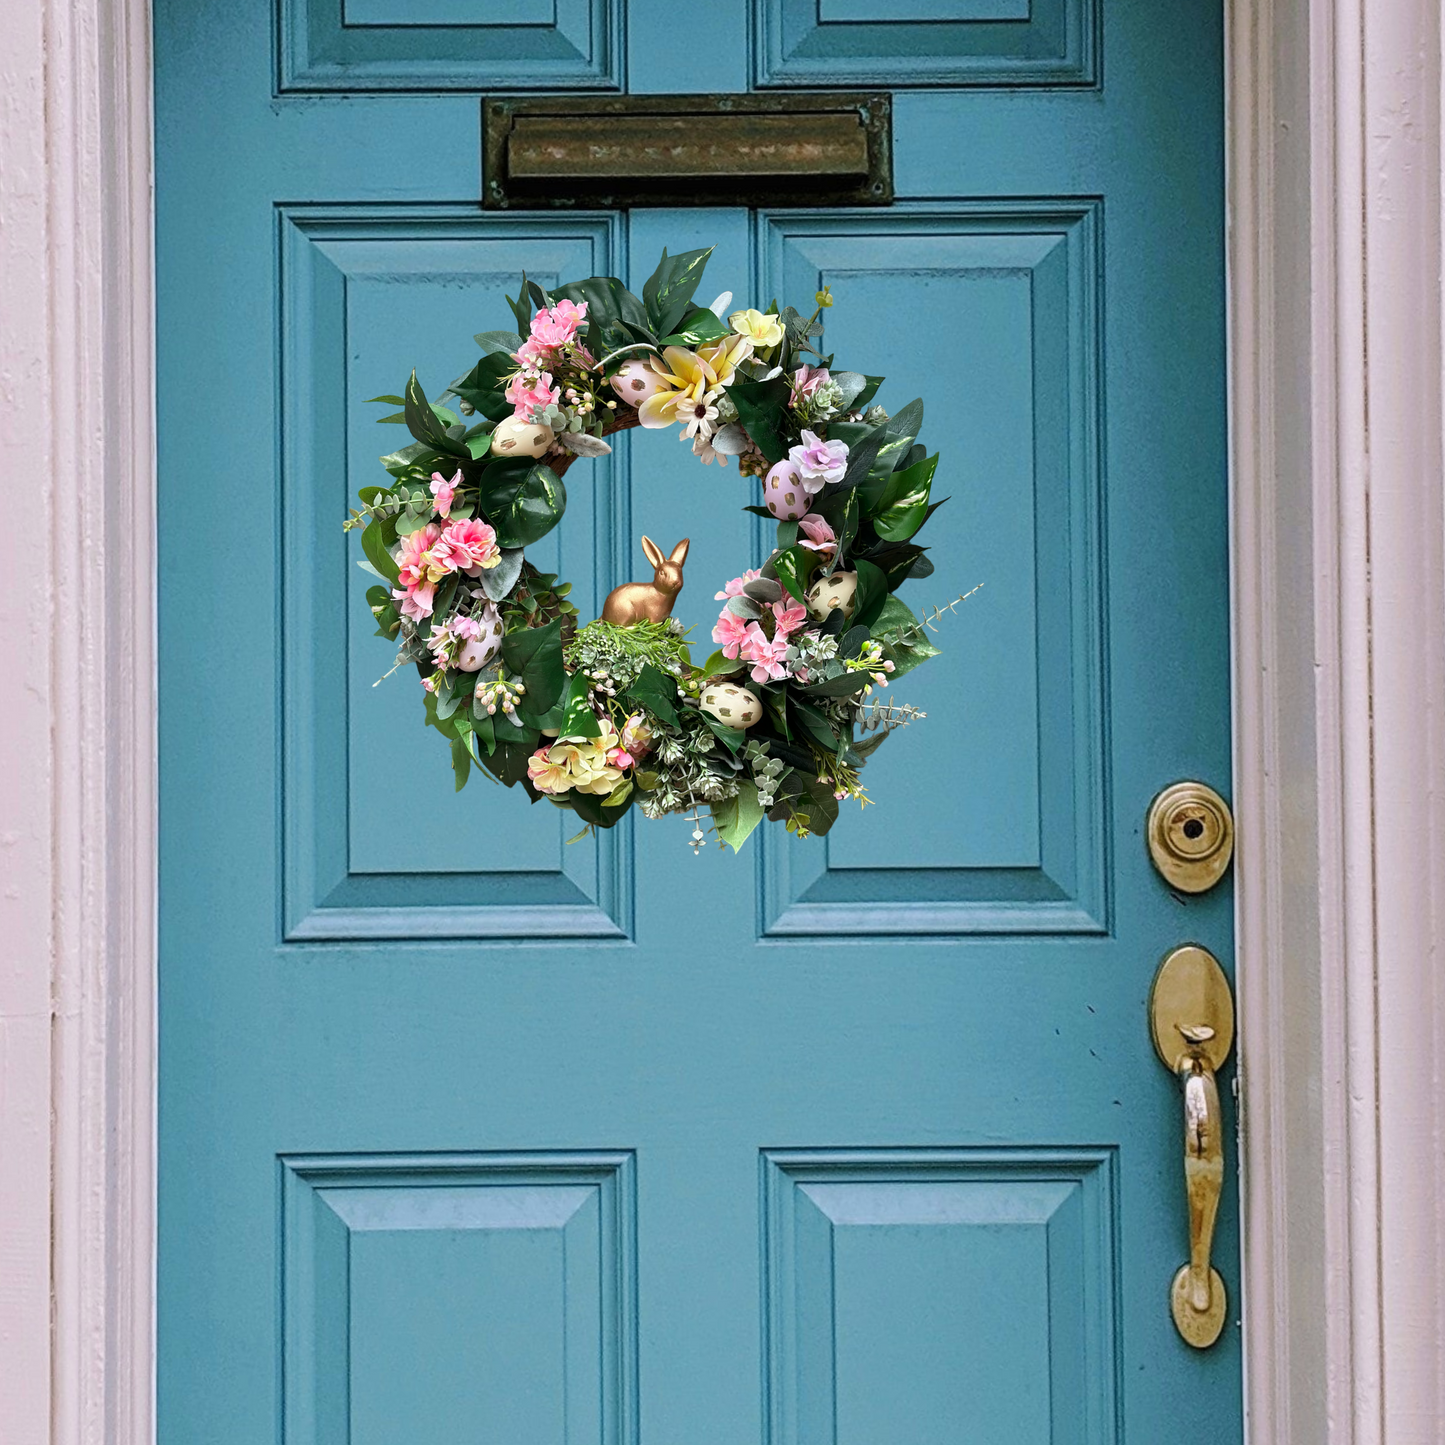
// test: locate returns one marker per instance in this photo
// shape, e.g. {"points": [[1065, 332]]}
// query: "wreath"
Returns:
{"points": [[781, 719]]}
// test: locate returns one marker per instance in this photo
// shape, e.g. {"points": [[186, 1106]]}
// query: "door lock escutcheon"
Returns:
{"points": [[1191, 836], [1191, 1017]]}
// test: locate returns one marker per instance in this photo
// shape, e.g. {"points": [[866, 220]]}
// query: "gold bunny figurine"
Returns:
{"points": [[648, 601]]}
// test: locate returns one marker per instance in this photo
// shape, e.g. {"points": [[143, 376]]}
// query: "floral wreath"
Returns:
{"points": [[779, 721]]}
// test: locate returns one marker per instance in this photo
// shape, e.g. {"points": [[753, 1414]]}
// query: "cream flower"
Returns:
{"points": [[759, 329], [686, 377], [723, 357]]}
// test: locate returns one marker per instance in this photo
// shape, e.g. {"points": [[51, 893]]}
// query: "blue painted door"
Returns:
{"points": [[468, 1135]]}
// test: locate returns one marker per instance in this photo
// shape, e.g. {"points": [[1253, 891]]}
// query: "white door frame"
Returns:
{"points": [[1334, 134]]}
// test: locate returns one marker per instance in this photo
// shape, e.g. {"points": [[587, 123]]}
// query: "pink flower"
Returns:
{"points": [[465, 627], [620, 758], [788, 617], [472, 545], [730, 632], [818, 461], [765, 653], [529, 390], [821, 537], [424, 559], [555, 326], [443, 491], [807, 379], [735, 587]]}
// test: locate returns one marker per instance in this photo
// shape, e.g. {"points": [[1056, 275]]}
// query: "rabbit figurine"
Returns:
{"points": [[648, 601]]}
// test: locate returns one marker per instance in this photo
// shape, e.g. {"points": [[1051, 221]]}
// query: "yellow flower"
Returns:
{"points": [[686, 378], [824, 298], [723, 357], [759, 329]]}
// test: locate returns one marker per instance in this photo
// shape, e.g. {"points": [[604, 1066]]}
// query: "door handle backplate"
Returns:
{"points": [[1191, 1016]]}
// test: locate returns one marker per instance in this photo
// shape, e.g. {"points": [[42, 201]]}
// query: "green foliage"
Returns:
{"points": [[522, 499], [667, 292], [535, 654]]}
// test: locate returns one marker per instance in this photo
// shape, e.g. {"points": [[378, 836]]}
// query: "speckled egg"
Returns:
{"points": [[840, 590], [514, 437], [783, 493], [731, 705], [635, 381], [478, 651]]}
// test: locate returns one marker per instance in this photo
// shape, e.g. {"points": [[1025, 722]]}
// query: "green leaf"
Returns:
{"points": [[870, 390], [418, 454], [840, 686], [498, 581], [794, 566], [490, 341], [762, 407], [872, 593], [536, 654], [667, 292], [657, 692], [424, 424], [899, 432], [389, 400], [483, 729], [731, 738], [739, 817], [719, 666], [812, 723], [578, 719], [787, 535], [482, 386], [377, 554], [904, 504], [696, 328], [461, 763], [619, 795], [523, 500]]}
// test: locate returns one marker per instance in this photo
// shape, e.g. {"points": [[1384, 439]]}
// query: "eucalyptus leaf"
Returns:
{"points": [[763, 589], [730, 441], [584, 444], [490, 341], [498, 581]]}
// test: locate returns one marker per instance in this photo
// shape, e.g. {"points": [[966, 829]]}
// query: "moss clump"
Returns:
{"points": [[615, 655]]}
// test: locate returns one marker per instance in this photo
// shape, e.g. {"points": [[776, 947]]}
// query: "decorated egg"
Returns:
{"points": [[517, 438], [783, 493], [476, 652], [731, 705], [635, 381], [840, 590]]}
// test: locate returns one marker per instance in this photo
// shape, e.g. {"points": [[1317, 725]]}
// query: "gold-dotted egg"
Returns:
{"points": [[514, 437], [837, 591], [731, 705]]}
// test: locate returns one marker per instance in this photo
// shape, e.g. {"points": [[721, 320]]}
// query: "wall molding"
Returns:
{"points": [[1335, 254], [77, 794]]}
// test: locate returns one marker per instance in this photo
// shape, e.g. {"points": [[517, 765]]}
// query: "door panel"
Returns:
{"points": [[468, 1132]]}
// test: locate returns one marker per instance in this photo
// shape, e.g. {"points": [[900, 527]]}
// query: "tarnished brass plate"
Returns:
{"points": [[1191, 836], [687, 150], [1191, 993]]}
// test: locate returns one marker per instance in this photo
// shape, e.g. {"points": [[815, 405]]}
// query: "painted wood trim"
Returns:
{"points": [[1335, 255], [77, 817]]}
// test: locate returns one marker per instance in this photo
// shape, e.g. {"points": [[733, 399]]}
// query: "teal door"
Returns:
{"points": [[468, 1135]]}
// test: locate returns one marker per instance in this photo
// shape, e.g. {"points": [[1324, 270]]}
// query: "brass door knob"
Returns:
{"points": [[1191, 836]]}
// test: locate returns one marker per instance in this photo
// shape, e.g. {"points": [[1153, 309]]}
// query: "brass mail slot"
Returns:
{"points": [[687, 150]]}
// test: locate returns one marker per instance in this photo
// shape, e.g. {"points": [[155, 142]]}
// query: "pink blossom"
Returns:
{"points": [[465, 627], [788, 617], [765, 653], [821, 537], [620, 758], [818, 461], [730, 632], [735, 587], [555, 326], [472, 545], [423, 559], [443, 491], [807, 379], [529, 390]]}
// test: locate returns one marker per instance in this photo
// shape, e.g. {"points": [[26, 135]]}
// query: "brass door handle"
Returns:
{"points": [[1191, 1014]]}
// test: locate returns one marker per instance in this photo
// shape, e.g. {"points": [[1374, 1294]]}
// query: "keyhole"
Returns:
{"points": [[1193, 828]]}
